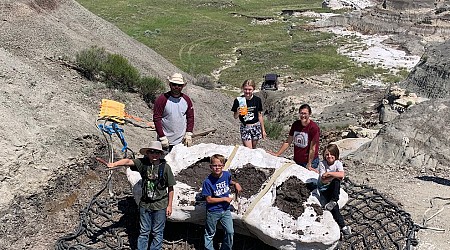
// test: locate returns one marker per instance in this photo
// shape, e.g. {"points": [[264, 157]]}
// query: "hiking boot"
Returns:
{"points": [[330, 205], [346, 230]]}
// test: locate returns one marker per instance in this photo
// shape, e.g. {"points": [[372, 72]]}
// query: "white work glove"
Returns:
{"points": [[164, 142], [187, 140]]}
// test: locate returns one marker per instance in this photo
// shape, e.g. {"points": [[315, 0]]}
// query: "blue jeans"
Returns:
{"points": [[210, 229], [151, 221], [314, 163]]}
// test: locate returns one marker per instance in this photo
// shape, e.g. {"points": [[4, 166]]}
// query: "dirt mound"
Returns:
{"points": [[195, 174], [291, 195], [251, 178]]}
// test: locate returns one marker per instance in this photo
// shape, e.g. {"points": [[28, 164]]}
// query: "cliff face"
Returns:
{"points": [[417, 138], [420, 23], [426, 20], [412, 24], [430, 77], [408, 4]]}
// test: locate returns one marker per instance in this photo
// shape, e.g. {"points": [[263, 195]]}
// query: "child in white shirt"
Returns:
{"points": [[331, 173]]}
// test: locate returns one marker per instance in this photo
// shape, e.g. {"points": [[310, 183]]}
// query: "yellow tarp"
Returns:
{"points": [[112, 110]]}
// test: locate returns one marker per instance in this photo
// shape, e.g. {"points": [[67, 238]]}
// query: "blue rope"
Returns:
{"points": [[114, 129]]}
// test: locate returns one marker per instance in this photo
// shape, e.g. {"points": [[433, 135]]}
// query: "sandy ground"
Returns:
{"points": [[422, 197]]}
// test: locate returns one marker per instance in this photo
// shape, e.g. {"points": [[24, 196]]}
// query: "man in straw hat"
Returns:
{"points": [[173, 115], [157, 194]]}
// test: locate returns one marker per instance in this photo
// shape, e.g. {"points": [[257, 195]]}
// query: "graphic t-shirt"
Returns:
{"points": [[302, 138], [159, 193], [254, 106], [337, 166], [217, 188]]}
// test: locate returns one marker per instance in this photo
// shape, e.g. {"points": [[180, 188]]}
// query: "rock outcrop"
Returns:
{"points": [[431, 76], [417, 139], [413, 24], [418, 18], [407, 4]]}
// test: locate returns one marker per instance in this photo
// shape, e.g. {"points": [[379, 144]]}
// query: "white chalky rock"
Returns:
{"points": [[350, 145], [355, 4], [134, 177]]}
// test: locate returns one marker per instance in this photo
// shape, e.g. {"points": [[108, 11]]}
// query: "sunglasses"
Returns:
{"points": [[177, 85], [151, 151]]}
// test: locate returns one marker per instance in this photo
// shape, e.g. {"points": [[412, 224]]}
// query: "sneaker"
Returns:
{"points": [[330, 205], [346, 230]]}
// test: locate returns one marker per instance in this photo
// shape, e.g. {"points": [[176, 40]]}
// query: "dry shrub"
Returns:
{"points": [[42, 5], [204, 81]]}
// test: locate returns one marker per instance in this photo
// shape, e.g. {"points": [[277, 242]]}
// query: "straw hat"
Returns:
{"points": [[176, 78], [155, 145]]}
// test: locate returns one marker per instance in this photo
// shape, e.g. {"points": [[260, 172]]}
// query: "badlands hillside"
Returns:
{"points": [[48, 134], [48, 130]]}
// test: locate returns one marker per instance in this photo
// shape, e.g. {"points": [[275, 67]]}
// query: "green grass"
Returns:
{"points": [[197, 35], [273, 129], [395, 78], [230, 93]]}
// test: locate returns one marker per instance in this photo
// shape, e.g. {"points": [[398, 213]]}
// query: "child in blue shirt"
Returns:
{"points": [[216, 190]]}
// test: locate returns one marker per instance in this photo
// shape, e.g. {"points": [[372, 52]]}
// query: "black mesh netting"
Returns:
{"points": [[112, 223], [376, 222]]}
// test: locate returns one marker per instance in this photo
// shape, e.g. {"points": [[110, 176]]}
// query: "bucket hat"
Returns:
{"points": [[155, 145], [176, 78]]}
